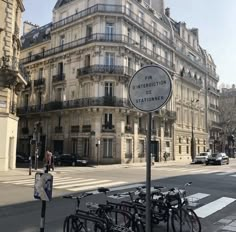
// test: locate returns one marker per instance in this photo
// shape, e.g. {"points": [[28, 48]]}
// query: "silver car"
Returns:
{"points": [[202, 157]]}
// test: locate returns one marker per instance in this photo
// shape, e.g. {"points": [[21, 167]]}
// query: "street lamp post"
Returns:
{"points": [[192, 136]]}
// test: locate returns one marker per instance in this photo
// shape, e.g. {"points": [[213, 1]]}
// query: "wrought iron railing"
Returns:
{"points": [[58, 129], [100, 37], [75, 129], [39, 82], [86, 128], [142, 131], [108, 128], [118, 9], [112, 69], [58, 77]]}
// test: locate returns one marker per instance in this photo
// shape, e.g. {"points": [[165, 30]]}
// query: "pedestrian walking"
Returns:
{"points": [[48, 158], [165, 156]]}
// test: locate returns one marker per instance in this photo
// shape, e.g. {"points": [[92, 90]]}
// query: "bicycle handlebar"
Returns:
{"points": [[77, 197]]}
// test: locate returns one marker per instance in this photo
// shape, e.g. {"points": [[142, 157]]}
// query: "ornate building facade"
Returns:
{"points": [[80, 66], [11, 81]]}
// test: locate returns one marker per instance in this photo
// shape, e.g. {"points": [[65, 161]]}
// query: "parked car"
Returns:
{"points": [[202, 157], [21, 158], [70, 159], [218, 158]]}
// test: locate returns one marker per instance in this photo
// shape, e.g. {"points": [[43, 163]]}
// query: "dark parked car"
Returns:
{"points": [[70, 159], [21, 158], [218, 158]]}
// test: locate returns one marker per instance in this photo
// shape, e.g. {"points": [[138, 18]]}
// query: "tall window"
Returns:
{"points": [[109, 31], [154, 25], [129, 34], [140, 17], [128, 8], [128, 152], [109, 89], [107, 148], [40, 73], [110, 59], [141, 148], [108, 121], [85, 144], [60, 68], [62, 40], [154, 49], [87, 61], [89, 32], [141, 41], [26, 100], [74, 146]]}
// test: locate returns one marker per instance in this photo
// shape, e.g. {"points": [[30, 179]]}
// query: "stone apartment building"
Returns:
{"points": [[79, 68], [11, 81]]}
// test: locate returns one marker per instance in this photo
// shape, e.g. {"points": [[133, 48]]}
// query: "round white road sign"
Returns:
{"points": [[150, 88]]}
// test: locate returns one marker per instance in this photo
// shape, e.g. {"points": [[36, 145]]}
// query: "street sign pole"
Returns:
{"points": [[148, 175], [150, 89]]}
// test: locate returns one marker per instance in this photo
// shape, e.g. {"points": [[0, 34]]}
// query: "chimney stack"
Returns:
{"points": [[28, 26], [167, 12]]}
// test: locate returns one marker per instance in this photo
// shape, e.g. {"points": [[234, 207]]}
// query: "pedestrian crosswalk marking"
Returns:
{"points": [[197, 196], [97, 186], [213, 207], [83, 184]]}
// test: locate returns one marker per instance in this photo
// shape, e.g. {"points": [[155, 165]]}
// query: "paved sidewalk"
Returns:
{"points": [[25, 171]]}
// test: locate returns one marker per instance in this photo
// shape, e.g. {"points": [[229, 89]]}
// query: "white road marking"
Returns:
{"points": [[89, 182], [96, 186], [198, 196], [213, 207]]}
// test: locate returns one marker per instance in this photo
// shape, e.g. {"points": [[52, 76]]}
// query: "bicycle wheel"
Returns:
{"points": [[73, 224], [195, 221], [180, 221]]}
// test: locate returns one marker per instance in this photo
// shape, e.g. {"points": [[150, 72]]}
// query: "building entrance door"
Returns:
{"points": [[155, 150]]}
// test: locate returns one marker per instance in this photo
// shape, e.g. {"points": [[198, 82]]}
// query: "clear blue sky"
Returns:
{"points": [[215, 20]]}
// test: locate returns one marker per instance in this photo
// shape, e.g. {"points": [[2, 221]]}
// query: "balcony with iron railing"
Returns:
{"points": [[103, 38], [191, 79], [103, 69], [39, 82], [108, 128], [197, 63], [57, 78], [75, 129], [78, 103], [214, 90], [213, 107], [142, 130], [58, 129], [25, 130], [129, 129], [86, 128], [111, 9]]}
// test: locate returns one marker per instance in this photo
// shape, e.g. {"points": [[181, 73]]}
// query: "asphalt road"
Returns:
{"points": [[213, 181]]}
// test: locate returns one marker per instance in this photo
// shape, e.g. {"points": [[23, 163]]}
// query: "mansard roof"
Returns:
{"points": [[60, 3], [36, 36]]}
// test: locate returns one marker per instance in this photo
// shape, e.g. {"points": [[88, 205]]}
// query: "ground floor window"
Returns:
{"points": [[107, 148], [75, 146], [85, 144], [141, 148], [128, 152]]}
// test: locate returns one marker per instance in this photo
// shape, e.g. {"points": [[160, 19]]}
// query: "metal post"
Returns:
{"points": [[148, 176], [43, 209]]}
